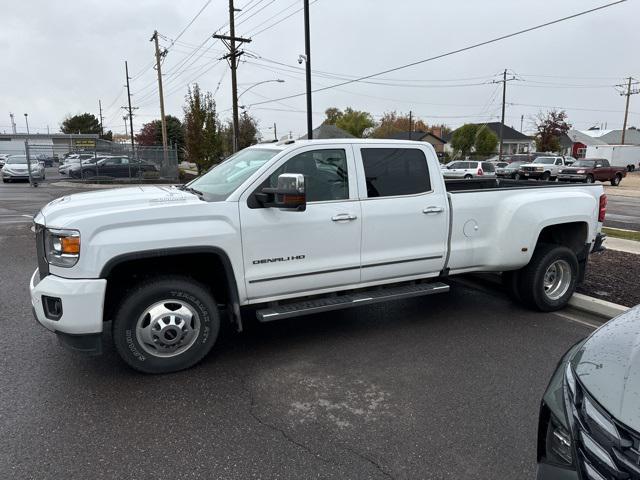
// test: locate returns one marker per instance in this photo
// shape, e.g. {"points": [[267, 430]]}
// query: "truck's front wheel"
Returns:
{"points": [[166, 325], [550, 278]]}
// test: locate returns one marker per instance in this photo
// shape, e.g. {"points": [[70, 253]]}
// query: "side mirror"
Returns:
{"points": [[288, 194]]}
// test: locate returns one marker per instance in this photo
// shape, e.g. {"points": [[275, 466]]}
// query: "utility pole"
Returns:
{"points": [[232, 57], [307, 52], [133, 150], [628, 94], [504, 102], [101, 119], [410, 125], [13, 124], [163, 120], [521, 122], [126, 128], [275, 131]]}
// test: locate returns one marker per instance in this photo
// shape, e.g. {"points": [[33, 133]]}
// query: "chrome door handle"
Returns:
{"points": [[342, 217], [429, 210]]}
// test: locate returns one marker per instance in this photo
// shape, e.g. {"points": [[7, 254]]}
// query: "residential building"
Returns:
{"points": [[513, 140], [420, 136]]}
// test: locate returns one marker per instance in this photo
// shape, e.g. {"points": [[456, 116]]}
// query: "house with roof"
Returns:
{"points": [[580, 141], [513, 140], [420, 136], [324, 132], [614, 137]]}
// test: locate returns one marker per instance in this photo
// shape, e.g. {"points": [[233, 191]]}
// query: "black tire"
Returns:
{"points": [[194, 295], [4, 180], [590, 179], [532, 277], [468, 177], [545, 176], [517, 176], [511, 284], [615, 181]]}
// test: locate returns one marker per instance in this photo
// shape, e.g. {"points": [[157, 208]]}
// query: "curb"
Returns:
{"points": [[596, 306]]}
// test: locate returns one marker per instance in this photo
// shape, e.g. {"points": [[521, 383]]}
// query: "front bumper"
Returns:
{"points": [[566, 177], [552, 472], [530, 174], [82, 303], [20, 176]]}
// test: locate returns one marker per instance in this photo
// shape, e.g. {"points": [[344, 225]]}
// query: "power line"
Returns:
{"points": [[283, 19], [454, 52], [207, 3]]}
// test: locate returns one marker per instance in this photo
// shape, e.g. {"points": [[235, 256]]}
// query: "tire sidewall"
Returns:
{"points": [[124, 326], [537, 295]]}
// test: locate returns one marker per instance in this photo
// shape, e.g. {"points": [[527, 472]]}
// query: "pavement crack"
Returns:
{"points": [[371, 461], [279, 430]]}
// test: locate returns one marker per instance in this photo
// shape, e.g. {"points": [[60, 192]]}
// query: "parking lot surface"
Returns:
{"points": [[440, 387]]}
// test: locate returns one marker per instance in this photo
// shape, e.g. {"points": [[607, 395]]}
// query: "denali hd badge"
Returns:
{"points": [[278, 259]]}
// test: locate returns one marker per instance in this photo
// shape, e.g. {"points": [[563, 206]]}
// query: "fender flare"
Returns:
{"points": [[163, 252]]}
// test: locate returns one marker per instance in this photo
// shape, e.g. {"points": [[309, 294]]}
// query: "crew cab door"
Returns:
{"points": [[404, 210], [602, 170], [290, 252]]}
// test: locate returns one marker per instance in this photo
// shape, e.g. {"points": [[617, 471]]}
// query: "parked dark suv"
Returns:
{"points": [[589, 426]]}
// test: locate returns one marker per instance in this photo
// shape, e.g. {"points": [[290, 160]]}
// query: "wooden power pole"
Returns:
{"points": [[163, 120], [629, 91], [504, 103], [231, 42]]}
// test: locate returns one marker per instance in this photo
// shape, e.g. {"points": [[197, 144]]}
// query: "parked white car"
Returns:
{"points": [[72, 161], [16, 168], [468, 169], [293, 229]]}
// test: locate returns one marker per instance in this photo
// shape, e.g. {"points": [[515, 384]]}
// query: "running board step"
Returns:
{"points": [[347, 301]]}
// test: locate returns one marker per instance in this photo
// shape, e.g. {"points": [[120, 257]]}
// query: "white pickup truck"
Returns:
{"points": [[293, 229]]}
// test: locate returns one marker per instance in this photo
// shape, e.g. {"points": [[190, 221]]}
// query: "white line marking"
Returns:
{"points": [[576, 320]]}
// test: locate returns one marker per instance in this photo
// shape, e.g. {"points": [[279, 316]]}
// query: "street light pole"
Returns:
{"points": [[26, 120], [27, 150], [307, 52]]}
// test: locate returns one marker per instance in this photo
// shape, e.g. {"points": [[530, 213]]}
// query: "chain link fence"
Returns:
{"points": [[93, 160]]}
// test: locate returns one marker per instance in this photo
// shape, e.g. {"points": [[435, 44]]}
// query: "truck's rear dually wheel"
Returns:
{"points": [[549, 280], [166, 325]]}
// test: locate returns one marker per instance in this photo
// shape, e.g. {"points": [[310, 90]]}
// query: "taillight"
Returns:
{"points": [[603, 208], [480, 172]]}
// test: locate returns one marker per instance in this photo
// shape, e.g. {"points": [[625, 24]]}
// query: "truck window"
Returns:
{"points": [[325, 174], [605, 163], [395, 171], [488, 167]]}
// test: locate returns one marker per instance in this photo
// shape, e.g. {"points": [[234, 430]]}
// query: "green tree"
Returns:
{"points": [[84, 123], [202, 135], [464, 138], [485, 141], [249, 134], [353, 121], [549, 128]]}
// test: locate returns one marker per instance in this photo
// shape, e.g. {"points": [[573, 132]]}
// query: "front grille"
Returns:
{"points": [[529, 169], [606, 449], [43, 265]]}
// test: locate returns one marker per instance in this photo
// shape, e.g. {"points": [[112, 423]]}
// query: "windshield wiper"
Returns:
{"points": [[193, 190]]}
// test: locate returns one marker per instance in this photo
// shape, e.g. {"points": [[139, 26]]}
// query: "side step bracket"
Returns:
{"points": [[325, 304]]}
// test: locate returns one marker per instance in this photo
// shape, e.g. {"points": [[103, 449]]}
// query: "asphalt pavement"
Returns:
{"points": [[442, 387], [623, 212]]}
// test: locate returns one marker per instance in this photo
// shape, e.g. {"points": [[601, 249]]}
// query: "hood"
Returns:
{"points": [[65, 211], [608, 365]]}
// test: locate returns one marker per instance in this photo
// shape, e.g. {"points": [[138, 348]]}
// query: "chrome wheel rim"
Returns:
{"points": [[557, 279], [167, 328]]}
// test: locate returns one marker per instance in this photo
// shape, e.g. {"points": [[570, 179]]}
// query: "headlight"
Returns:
{"points": [[559, 443], [580, 171], [62, 247]]}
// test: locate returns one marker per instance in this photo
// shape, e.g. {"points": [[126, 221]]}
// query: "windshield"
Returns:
{"points": [[515, 164], [219, 182], [545, 160], [584, 163], [20, 159]]}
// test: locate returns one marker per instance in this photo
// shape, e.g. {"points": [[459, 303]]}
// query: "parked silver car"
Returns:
{"points": [[16, 168], [73, 160], [469, 169]]}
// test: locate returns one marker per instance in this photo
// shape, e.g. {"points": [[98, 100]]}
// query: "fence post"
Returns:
{"points": [[26, 151]]}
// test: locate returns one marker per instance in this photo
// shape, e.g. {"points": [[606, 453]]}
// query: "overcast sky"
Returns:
{"points": [[59, 58]]}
